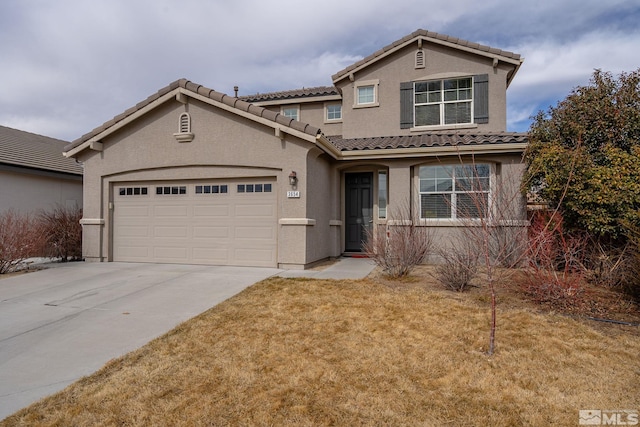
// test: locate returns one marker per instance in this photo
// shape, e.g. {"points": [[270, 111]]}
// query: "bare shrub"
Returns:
{"points": [[400, 245], [555, 273], [19, 240], [459, 265], [62, 232], [609, 265]]}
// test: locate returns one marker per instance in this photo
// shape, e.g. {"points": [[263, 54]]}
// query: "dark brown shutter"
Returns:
{"points": [[481, 98], [406, 105]]}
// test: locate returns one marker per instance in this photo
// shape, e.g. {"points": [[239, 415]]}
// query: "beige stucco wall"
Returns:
{"points": [[441, 62], [28, 192], [225, 146]]}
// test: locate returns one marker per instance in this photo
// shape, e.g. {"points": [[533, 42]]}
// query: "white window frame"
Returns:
{"points": [[363, 84], [441, 103], [326, 112], [454, 193], [296, 107]]}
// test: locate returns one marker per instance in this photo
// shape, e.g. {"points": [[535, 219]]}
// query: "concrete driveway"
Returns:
{"points": [[60, 324]]}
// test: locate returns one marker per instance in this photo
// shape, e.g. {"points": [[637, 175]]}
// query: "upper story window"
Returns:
{"points": [[366, 94], [443, 102], [333, 112], [293, 112], [455, 191]]}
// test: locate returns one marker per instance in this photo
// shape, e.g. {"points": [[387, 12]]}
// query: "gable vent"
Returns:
{"points": [[184, 128], [420, 58], [184, 125]]}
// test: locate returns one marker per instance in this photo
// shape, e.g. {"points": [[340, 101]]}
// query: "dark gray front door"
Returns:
{"points": [[359, 209]]}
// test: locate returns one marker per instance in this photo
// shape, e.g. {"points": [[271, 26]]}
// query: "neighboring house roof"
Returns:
{"points": [[432, 143], [432, 37], [292, 94], [186, 87], [25, 149]]}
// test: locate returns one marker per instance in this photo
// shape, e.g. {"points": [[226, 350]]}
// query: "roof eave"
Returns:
{"points": [[394, 153]]}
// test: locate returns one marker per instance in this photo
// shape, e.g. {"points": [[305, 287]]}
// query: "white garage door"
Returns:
{"points": [[232, 222]]}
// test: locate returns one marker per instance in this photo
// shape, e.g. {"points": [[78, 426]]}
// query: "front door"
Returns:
{"points": [[359, 209]]}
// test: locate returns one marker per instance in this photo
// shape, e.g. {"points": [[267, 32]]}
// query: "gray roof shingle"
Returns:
{"points": [[292, 94], [20, 148], [432, 139]]}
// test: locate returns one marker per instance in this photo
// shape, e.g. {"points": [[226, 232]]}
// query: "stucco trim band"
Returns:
{"points": [[92, 221], [297, 221]]}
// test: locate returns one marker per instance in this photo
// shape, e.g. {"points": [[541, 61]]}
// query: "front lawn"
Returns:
{"points": [[371, 352]]}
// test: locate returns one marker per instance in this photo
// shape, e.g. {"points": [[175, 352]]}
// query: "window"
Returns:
{"points": [[212, 189], [366, 94], [132, 191], [291, 112], [443, 102], [254, 188], [461, 102], [382, 194], [333, 112], [171, 190], [460, 191]]}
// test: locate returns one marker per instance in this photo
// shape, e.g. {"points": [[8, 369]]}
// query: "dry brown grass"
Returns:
{"points": [[371, 352]]}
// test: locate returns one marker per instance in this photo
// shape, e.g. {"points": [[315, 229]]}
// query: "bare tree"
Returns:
{"points": [[401, 244]]}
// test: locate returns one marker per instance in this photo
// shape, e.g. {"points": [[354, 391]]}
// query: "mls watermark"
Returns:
{"points": [[601, 417]]}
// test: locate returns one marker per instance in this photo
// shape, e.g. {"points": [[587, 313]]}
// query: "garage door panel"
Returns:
{"points": [[258, 233], [164, 231], [200, 226], [211, 211], [171, 211], [170, 254], [210, 232]]}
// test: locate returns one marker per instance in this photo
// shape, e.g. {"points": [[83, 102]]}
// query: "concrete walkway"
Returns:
{"points": [[60, 324]]}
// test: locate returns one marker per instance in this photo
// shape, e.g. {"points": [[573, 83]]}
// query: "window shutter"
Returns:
{"points": [[406, 105], [481, 98]]}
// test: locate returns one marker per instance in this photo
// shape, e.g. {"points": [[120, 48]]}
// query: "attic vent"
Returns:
{"points": [[184, 128], [420, 58], [185, 123]]}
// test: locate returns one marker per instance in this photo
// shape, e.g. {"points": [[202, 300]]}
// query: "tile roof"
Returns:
{"points": [[433, 139], [20, 148], [427, 34], [292, 94], [228, 100]]}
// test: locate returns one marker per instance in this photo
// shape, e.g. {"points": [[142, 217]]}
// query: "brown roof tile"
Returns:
{"points": [[434, 139], [20, 148], [292, 94], [231, 101], [424, 33]]}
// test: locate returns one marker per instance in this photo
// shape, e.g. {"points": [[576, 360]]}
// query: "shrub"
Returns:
{"points": [[459, 265], [400, 245], [61, 232], [556, 271], [19, 240]]}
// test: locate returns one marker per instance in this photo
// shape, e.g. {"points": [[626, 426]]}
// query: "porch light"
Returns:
{"points": [[293, 179]]}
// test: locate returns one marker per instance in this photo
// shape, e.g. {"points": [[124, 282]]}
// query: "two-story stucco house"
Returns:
{"points": [[191, 175]]}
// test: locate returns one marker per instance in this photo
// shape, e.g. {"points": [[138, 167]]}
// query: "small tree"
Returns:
{"points": [[400, 245]]}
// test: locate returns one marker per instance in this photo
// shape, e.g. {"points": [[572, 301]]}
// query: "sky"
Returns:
{"points": [[67, 66]]}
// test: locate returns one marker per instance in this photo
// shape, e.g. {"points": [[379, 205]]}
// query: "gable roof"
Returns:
{"points": [[292, 94], [433, 37], [185, 87], [25, 149]]}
